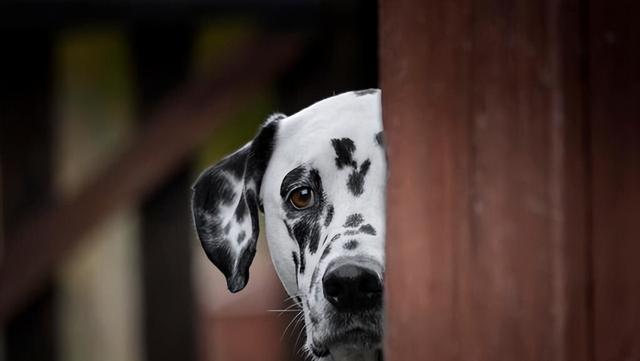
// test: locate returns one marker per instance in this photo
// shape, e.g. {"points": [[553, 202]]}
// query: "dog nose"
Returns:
{"points": [[351, 287]]}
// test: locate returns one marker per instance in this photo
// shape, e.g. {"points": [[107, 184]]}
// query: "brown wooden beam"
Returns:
{"points": [[178, 126], [487, 252]]}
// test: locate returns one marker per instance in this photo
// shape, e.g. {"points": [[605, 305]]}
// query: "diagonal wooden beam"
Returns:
{"points": [[175, 129]]}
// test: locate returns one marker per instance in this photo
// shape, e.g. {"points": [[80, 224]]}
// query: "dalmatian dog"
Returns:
{"points": [[319, 176]]}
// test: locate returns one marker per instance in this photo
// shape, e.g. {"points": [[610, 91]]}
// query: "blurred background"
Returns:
{"points": [[109, 110]]}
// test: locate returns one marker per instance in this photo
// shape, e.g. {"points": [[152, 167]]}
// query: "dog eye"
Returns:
{"points": [[302, 198]]}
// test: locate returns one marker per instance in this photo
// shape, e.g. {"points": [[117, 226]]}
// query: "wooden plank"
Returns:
{"points": [[487, 217], [176, 128], [508, 263], [527, 254], [614, 94], [424, 73]]}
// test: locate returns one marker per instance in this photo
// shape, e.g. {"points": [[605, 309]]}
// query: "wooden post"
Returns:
{"points": [[513, 140]]}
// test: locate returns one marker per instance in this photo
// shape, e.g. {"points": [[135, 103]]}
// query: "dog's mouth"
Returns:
{"points": [[352, 340], [348, 339]]}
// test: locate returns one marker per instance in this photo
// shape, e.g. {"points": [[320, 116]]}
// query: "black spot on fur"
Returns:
{"points": [[380, 139], [296, 264], [301, 232], [344, 148], [260, 154], [356, 178], [211, 190], [239, 280], [306, 223], [351, 244], [241, 210], [302, 262], [354, 220], [362, 92], [224, 260], [241, 237], [253, 211], [332, 239], [326, 252], [329, 217], [261, 150], [314, 238], [368, 229], [227, 228], [335, 237], [289, 229], [235, 164], [351, 232]]}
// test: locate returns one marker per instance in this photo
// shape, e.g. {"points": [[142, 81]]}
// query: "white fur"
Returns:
{"points": [[304, 138]]}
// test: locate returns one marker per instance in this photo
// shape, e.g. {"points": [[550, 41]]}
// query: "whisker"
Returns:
{"points": [[302, 330], [291, 308], [293, 298], [298, 338], [305, 352], [296, 317]]}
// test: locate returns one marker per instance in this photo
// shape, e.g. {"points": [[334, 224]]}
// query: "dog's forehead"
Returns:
{"points": [[308, 133]]}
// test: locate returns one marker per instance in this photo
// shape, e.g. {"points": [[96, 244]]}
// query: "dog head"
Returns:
{"points": [[319, 176]]}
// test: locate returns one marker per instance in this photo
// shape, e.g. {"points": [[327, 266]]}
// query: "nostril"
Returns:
{"points": [[350, 287], [371, 283], [332, 287]]}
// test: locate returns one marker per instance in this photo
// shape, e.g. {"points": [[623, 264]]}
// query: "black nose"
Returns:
{"points": [[352, 288]]}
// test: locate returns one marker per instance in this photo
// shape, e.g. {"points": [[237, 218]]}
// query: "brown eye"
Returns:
{"points": [[302, 198]]}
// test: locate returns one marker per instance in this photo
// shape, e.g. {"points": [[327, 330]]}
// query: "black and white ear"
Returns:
{"points": [[225, 206]]}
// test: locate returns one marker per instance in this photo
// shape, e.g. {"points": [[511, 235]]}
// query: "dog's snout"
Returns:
{"points": [[352, 287]]}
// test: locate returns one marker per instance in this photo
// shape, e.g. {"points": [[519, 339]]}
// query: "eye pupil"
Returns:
{"points": [[301, 198]]}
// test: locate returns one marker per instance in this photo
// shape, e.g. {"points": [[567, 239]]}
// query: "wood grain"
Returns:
{"points": [[487, 247]]}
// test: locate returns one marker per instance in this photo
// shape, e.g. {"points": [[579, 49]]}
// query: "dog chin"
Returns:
{"points": [[344, 345]]}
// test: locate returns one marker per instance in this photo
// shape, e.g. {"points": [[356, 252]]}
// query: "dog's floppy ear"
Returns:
{"points": [[225, 205]]}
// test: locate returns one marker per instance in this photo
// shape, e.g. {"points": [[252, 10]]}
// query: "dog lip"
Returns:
{"points": [[319, 351], [356, 337]]}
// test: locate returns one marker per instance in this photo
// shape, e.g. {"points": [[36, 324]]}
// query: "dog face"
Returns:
{"points": [[319, 177]]}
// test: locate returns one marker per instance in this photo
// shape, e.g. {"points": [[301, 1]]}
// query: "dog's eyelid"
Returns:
{"points": [[297, 177], [296, 185]]}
